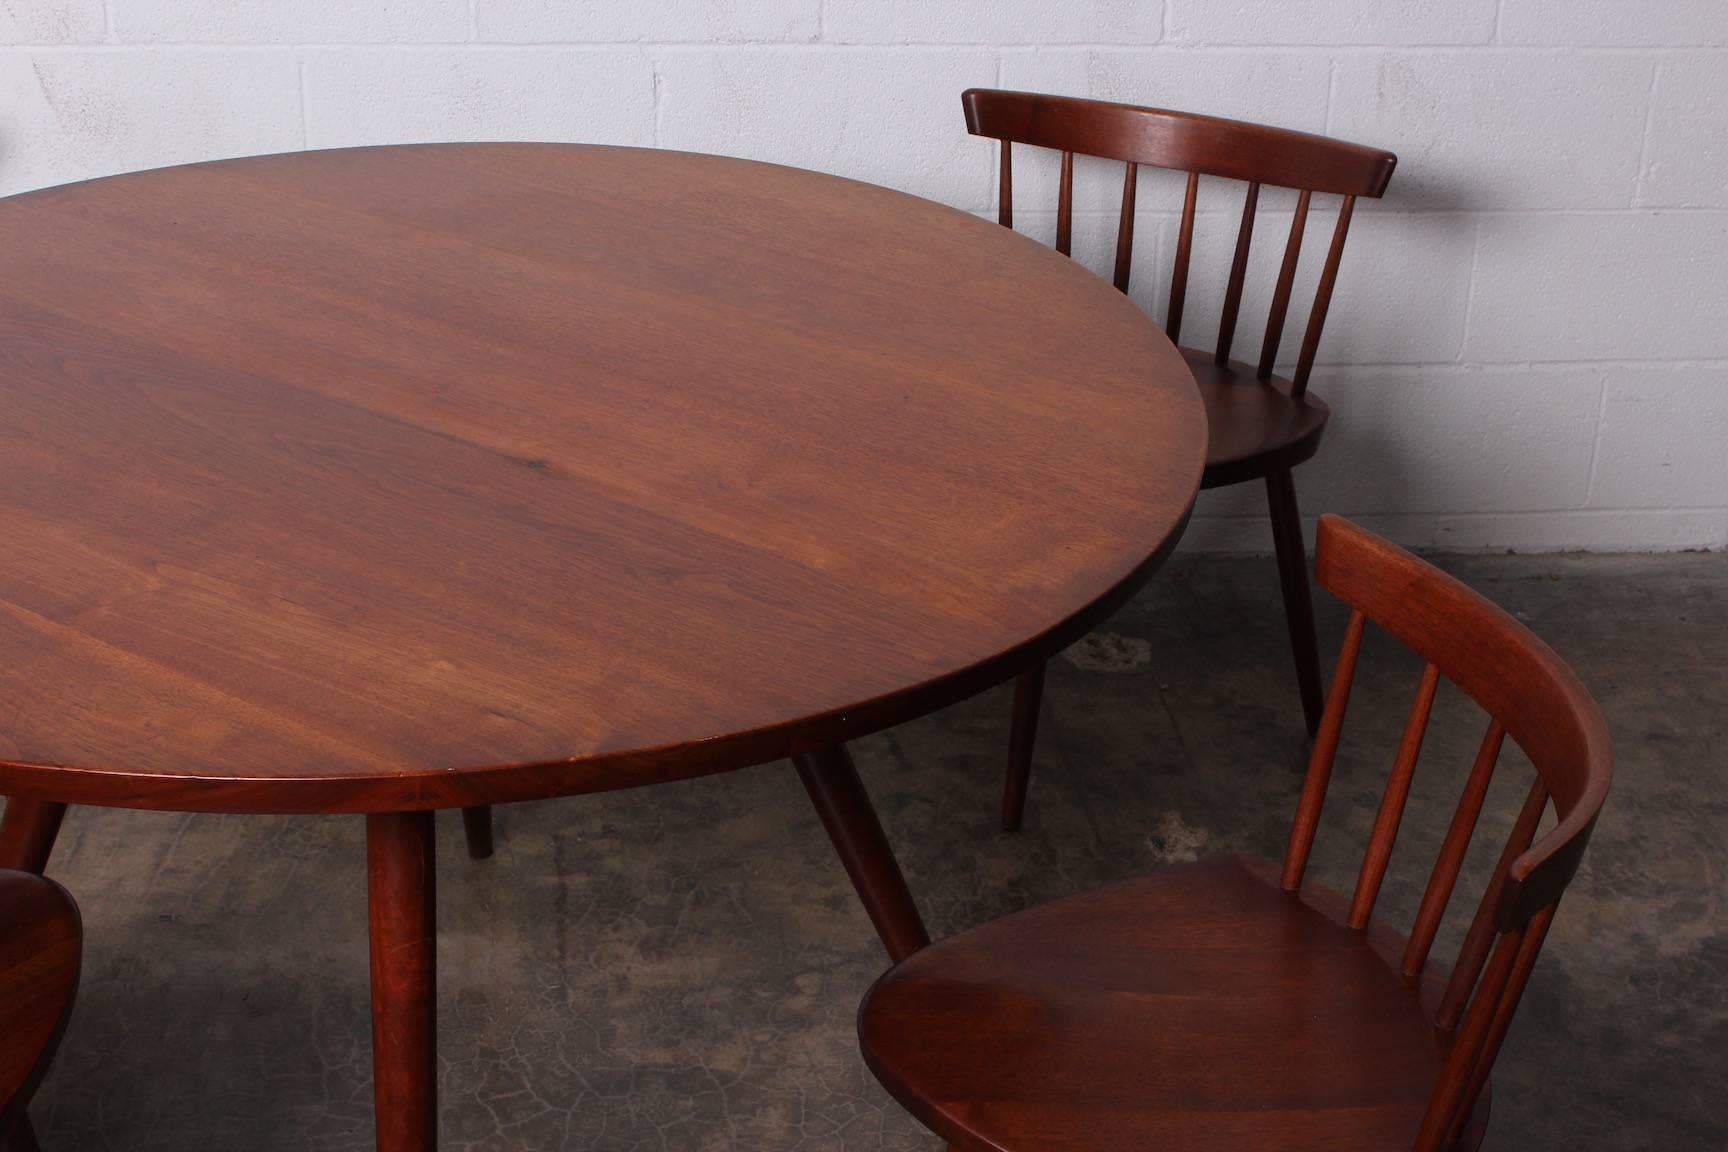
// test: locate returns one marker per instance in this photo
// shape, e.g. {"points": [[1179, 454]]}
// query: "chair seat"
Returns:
{"points": [[40, 942], [1196, 1008], [1256, 425]]}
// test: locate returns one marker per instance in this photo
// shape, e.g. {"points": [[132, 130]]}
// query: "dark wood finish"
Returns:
{"points": [[1280, 307], [1260, 429], [1196, 1008], [511, 471], [1445, 875], [402, 890], [843, 805], [1480, 938], [1184, 254], [1530, 940], [1298, 599], [1262, 425], [41, 942], [1022, 741], [1238, 271], [477, 831], [27, 833], [1313, 797], [1385, 831], [1322, 300], [1125, 230], [1179, 141], [397, 479], [1516, 678], [1065, 206], [1225, 1004]]}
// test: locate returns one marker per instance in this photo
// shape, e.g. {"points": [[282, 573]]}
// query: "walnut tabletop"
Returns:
{"points": [[397, 479], [416, 477]]}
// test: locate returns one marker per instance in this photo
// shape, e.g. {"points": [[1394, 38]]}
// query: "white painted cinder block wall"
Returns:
{"points": [[1529, 345]]}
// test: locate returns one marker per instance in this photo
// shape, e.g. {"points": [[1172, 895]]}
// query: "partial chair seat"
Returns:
{"points": [[1196, 1008], [41, 939], [1256, 425]]}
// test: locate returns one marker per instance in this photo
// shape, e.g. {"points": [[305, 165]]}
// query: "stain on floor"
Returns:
{"points": [[677, 968]]}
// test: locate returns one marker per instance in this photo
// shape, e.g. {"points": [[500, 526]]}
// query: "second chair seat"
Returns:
{"points": [[1256, 426], [1198, 1007]]}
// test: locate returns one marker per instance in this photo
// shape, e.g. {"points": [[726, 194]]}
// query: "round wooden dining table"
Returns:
{"points": [[390, 480]]}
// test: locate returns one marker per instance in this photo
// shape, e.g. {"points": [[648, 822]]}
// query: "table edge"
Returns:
{"points": [[603, 772]]}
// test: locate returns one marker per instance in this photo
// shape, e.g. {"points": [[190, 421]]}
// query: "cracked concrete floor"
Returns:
{"points": [[677, 968]]}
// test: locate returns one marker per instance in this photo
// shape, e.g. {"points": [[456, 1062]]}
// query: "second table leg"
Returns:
{"points": [[402, 890], [832, 781], [27, 833]]}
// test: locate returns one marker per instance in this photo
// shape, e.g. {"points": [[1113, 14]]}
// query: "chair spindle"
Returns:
{"points": [[1065, 207], [1529, 949], [1125, 229], [1392, 802], [1322, 299], [1286, 281], [1320, 761], [1468, 1045], [1179, 272], [1005, 184], [1444, 878], [1238, 271], [1480, 937]]}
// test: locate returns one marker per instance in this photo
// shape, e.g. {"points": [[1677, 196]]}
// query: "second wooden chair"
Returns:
{"points": [[1228, 1005], [1262, 424]]}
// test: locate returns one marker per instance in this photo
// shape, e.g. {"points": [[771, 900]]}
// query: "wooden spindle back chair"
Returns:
{"points": [[1119, 1019], [1263, 425]]}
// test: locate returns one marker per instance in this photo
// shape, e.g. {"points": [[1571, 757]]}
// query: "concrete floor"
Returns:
{"points": [[677, 968]]}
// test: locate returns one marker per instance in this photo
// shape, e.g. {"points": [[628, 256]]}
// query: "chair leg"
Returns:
{"points": [[402, 903], [1023, 735], [1298, 601], [477, 827]]}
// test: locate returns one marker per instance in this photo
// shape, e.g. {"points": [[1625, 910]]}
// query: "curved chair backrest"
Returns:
{"points": [[1197, 145], [1529, 695]]}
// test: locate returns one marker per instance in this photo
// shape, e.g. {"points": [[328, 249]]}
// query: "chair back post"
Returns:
{"points": [[1125, 229], [1179, 266]]}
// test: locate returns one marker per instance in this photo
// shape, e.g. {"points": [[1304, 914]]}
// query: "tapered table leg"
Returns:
{"points": [[477, 828], [844, 807], [27, 833], [402, 888], [1022, 736]]}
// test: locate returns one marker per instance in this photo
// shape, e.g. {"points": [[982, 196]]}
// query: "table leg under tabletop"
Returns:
{"points": [[402, 891], [832, 781], [27, 833]]}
